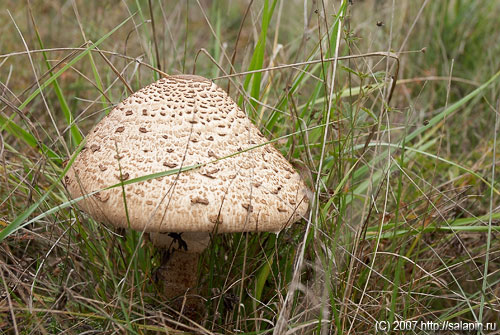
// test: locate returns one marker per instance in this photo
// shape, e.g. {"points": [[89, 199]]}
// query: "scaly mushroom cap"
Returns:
{"points": [[178, 122]]}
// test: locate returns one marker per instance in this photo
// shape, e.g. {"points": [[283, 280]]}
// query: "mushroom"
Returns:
{"points": [[242, 183]]}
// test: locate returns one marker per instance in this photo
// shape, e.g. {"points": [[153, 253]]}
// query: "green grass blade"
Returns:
{"points": [[258, 56], [6, 123], [452, 108], [26, 137], [71, 63], [262, 276], [75, 133]]}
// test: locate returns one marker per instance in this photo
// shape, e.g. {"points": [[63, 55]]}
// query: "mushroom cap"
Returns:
{"points": [[177, 122]]}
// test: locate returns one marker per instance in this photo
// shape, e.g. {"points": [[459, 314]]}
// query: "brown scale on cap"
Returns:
{"points": [[95, 147], [212, 198]]}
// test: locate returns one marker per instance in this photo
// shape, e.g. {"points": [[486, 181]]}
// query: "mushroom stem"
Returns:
{"points": [[180, 270], [179, 273]]}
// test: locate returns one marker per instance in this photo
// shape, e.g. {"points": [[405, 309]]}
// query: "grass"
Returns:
{"points": [[400, 153]]}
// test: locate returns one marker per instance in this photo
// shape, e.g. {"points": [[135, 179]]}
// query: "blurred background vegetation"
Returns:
{"points": [[400, 153]]}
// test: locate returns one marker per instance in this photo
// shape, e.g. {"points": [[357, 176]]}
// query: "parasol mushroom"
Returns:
{"points": [[243, 184]]}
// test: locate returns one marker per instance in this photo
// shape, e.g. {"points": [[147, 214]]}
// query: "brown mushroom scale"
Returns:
{"points": [[177, 122]]}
